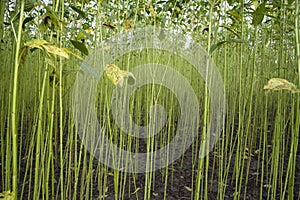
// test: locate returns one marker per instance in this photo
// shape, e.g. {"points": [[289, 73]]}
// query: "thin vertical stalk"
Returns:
{"points": [[38, 138], [14, 105], [204, 130], [2, 6], [296, 127], [61, 122], [297, 32]]}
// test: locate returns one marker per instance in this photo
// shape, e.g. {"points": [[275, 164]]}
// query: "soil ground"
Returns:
{"points": [[180, 181]]}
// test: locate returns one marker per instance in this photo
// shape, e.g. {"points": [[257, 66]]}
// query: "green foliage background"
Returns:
{"points": [[250, 41]]}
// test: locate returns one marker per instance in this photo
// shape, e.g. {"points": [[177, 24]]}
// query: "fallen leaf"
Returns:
{"points": [[7, 195], [155, 194], [188, 188], [110, 174], [137, 189]]}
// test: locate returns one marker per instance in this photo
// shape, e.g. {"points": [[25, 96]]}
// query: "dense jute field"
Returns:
{"points": [[149, 99]]}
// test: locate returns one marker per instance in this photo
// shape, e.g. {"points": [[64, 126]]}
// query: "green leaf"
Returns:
{"points": [[231, 30], [54, 19], [215, 46], [80, 46], [235, 15], [29, 5], [69, 51], [84, 34], [26, 20], [229, 2], [80, 12], [258, 14]]}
